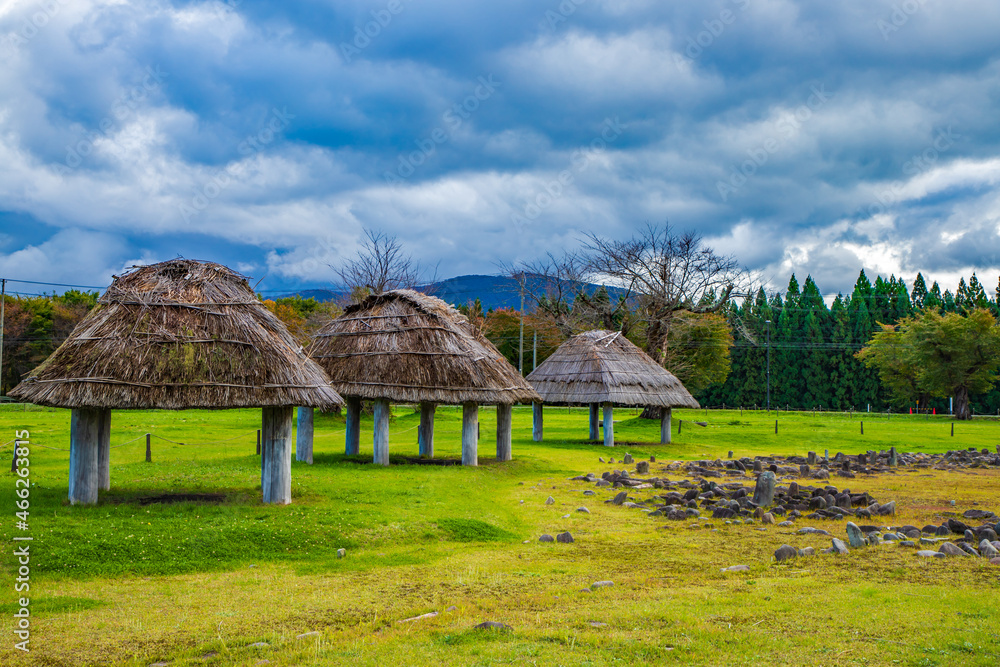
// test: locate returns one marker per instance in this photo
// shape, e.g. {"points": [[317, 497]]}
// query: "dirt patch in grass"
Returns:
{"points": [[168, 498]]}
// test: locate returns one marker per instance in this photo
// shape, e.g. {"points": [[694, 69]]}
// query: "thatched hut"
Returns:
{"points": [[404, 346], [177, 335], [604, 368]]}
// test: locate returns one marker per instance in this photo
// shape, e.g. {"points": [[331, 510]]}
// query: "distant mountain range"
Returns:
{"points": [[494, 292]]}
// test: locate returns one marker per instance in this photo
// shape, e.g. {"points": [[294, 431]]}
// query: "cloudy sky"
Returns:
{"points": [[815, 137]]}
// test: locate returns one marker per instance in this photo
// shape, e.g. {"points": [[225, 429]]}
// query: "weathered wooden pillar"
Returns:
{"points": [[470, 434], [665, 418], [595, 418], [425, 432], [609, 425], [380, 436], [536, 422], [276, 455], [504, 415], [84, 431], [353, 437], [304, 436], [104, 451]]}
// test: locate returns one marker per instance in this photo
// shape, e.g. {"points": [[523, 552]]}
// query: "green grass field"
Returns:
{"points": [[135, 581]]}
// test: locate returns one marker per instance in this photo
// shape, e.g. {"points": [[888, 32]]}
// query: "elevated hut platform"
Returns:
{"points": [[603, 369], [177, 335], [404, 346]]}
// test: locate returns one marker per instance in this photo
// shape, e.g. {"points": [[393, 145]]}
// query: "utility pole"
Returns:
{"points": [[3, 305], [520, 345], [768, 365], [534, 352]]}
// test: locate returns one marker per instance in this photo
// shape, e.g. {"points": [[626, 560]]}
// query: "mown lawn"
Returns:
{"points": [[131, 581]]}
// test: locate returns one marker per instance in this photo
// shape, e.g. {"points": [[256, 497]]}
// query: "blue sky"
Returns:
{"points": [[811, 137]]}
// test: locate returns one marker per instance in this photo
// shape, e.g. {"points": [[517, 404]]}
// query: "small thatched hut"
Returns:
{"points": [[405, 346], [605, 368], [176, 335]]}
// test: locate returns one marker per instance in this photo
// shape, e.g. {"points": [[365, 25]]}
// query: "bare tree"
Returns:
{"points": [[667, 275], [560, 288], [381, 265]]}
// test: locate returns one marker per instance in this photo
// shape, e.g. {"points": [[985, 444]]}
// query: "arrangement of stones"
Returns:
{"points": [[735, 503]]}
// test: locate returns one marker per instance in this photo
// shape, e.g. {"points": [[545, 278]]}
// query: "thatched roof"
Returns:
{"points": [[606, 367], [174, 335], [407, 347]]}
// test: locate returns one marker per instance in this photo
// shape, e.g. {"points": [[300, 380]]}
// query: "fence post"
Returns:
{"points": [[862, 427], [149, 451], [258, 442], [953, 429], [776, 427]]}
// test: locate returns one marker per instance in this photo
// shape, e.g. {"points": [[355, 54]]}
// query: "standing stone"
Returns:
{"points": [[763, 493], [304, 436], [758, 466], [804, 470], [730, 454], [839, 547], [628, 459], [642, 467], [893, 457], [855, 536], [793, 489], [812, 458]]}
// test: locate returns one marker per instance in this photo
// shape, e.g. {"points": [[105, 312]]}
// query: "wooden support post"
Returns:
{"points": [[276, 455], [149, 450], [862, 427], [470, 429], [258, 442], [504, 413], [352, 445], [104, 451], [595, 418], [609, 425], [380, 437], [425, 432], [536, 422], [666, 416], [83, 435], [304, 436]]}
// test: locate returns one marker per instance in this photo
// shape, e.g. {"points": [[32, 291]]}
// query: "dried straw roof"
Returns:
{"points": [[606, 367], [406, 346], [174, 335]]}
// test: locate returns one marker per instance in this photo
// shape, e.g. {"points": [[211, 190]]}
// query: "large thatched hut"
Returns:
{"points": [[176, 335], [404, 346], [604, 368]]}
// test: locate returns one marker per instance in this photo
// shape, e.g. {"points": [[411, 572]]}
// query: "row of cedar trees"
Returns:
{"points": [[813, 346], [722, 358]]}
